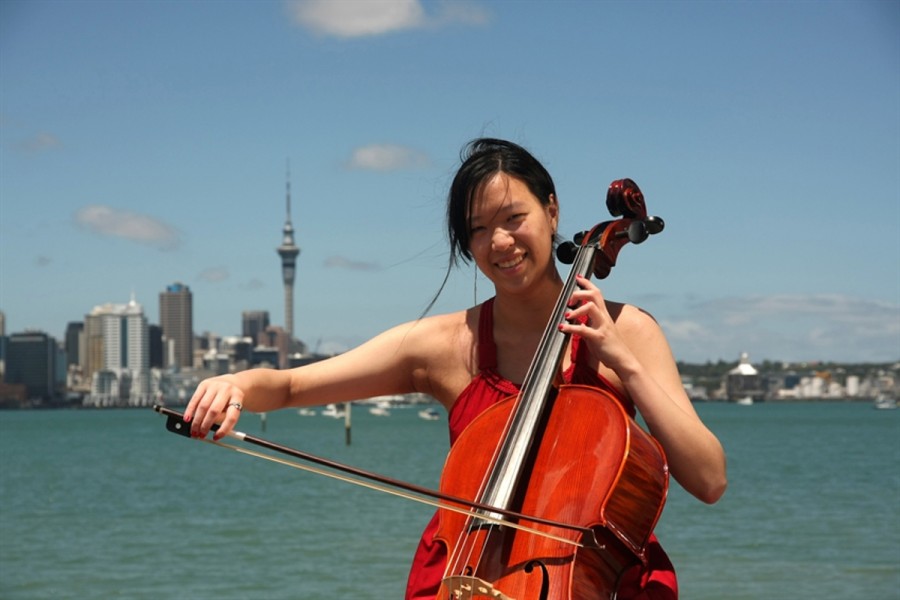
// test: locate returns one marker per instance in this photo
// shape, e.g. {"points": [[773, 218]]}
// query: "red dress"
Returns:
{"points": [[657, 582]]}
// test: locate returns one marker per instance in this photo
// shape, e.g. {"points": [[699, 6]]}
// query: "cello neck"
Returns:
{"points": [[535, 394]]}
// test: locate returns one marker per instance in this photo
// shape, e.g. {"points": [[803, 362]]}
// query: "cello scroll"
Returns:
{"points": [[623, 199]]}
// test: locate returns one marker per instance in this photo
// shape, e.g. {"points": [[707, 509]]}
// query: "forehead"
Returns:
{"points": [[500, 193]]}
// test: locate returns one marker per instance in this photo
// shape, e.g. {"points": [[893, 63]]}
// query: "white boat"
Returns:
{"points": [[332, 410], [306, 412], [885, 402], [429, 414], [380, 411], [745, 401]]}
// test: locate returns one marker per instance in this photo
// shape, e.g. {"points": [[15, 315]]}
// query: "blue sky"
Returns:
{"points": [[143, 143]]}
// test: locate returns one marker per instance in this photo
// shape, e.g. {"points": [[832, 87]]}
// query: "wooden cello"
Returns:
{"points": [[569, 454]]}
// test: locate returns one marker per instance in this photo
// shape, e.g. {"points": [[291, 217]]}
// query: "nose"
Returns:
{"points": [[501, 239]]}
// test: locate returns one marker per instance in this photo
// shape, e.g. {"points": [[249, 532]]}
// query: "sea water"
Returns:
{"points": [[108, 504]]}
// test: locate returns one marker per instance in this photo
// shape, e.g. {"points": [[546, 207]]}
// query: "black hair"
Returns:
{"points": [[481, 159]]}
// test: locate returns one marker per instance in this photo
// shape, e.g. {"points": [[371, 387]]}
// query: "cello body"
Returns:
{"points": [[593, 466]]}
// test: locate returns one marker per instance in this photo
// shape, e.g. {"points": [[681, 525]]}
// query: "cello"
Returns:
{"points": [[560, 453]]}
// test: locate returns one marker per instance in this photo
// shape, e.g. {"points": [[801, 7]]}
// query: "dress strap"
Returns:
{"points": [[487, 349]]}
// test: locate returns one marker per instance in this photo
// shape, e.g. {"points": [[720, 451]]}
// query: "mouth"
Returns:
{"points": [[511, 263]]}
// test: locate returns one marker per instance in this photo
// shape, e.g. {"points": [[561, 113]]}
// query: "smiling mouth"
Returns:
{"points": [[508, 264]]}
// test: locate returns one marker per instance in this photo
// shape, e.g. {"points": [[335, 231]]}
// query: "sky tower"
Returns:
{"points": [[288, 252]]}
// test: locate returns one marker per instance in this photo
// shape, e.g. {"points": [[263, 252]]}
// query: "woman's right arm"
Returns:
{"points": [[394, 362]]}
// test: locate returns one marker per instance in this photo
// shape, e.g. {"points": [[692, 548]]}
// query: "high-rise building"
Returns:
{"points": [[32, 361], [118, 355], [156, 346], [176, 317], [288, 252], [74, 342], [253, 323]]}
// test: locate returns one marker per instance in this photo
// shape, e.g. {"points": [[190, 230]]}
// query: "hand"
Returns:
{"points": [[590, 319], [216, 400]]}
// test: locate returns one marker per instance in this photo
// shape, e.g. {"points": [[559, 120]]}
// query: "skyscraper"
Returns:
{"points": [[288, 252], [118, 360], [176, 317], [253, 323], [31, 361]]}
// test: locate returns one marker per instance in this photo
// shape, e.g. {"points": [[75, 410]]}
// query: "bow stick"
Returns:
{"points": [[175, 423]]}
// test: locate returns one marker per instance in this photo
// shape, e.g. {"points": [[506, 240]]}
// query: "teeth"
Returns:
{"points": [[510, 263]]}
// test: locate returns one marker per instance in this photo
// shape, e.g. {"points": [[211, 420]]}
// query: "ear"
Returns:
{"points": [[553, 212]]}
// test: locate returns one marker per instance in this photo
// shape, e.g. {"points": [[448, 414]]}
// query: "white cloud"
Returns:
{"points": [[386, 157], [113, 222], [787, 327], [214, 274], [340, 262], [252, 285], [39, 143], [360, 18]]}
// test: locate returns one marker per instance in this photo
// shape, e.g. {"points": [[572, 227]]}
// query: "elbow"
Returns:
{"points": [[713, 491], [714, 481], [706, 486]]}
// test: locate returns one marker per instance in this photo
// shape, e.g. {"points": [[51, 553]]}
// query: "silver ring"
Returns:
{"points": [[237, 405]]}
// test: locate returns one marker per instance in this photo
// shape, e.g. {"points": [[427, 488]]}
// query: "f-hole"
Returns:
{"points": [[545, 580]]}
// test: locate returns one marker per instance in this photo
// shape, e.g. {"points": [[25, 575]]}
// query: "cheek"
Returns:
{"points": [[477, 247]]}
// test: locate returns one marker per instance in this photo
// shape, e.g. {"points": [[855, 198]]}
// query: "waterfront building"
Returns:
{"points": [[253, 323], [118, 356], [288, 252], [266, 357], [743, 382], [32, 361], [3, 340], [156, 346], [277, 338], [74, 342], [176, 317]]}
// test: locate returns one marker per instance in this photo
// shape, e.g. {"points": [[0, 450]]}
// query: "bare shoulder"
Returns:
{"points": [[445, 349], [647, 341], [631, 319]]}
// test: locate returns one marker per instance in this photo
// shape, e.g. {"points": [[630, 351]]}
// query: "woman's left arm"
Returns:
{"points": [[633, 345]]}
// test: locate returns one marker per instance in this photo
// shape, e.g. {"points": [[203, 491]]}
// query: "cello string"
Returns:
{"points": [[394, 492]]}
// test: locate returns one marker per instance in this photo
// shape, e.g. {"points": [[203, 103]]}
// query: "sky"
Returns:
{"points": [[144, 143]]}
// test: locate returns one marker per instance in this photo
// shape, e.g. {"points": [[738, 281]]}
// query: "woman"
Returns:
{"points": [[503, 215]]}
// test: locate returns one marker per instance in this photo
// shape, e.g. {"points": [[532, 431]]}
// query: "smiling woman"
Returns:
{"points": [[502, 214]]}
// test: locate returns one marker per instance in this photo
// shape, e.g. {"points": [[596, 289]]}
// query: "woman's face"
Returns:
{"points": [[511, 233]]}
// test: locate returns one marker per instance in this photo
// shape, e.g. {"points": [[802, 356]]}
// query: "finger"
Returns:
{"points": [[214, 412], [232, 414], [192, 404], [589, 288], [200, 410]]}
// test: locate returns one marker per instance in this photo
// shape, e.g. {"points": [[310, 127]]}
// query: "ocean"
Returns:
{"points": [[108, 504]]}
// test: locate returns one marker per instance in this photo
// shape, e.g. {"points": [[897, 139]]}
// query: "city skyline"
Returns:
{"points": [[145, 143]]}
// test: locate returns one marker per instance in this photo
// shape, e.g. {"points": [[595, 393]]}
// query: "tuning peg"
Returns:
{"points": [[566, 252], [654, 225]]}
